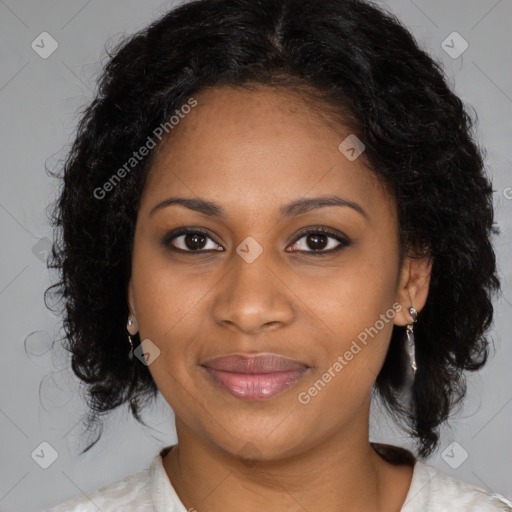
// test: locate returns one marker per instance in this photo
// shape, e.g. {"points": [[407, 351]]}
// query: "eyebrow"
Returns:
{"points": [[294, 208]]}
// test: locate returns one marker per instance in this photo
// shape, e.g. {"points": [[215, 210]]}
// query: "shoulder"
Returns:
{"points": [[125, 495], [434, 491]]}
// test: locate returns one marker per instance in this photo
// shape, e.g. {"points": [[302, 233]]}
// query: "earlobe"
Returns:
{"points": [[413, 287]]}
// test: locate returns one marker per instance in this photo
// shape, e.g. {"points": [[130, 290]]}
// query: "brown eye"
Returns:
{"points": [[194, 241], [191, 240], [319, 241]]}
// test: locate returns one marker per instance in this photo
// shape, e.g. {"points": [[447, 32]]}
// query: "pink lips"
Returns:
{"points": [[254, 377]]}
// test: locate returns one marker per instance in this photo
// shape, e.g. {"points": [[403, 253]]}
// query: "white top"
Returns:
{"points": [[150, 490]]}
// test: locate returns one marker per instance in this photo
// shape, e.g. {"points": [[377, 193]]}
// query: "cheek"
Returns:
{"points": [[170, 311], [354, 311], [352, 298], [351, 360], [165, 293], [170, 315]]}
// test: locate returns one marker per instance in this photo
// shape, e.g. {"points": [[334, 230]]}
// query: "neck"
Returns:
{"points": [[341, 473]]}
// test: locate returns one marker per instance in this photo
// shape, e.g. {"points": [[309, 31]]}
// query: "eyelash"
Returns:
{"points": [[344, 242]]}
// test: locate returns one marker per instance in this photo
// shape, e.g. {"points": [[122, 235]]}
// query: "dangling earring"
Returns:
{"points": [[130, 354], [410, 339]]}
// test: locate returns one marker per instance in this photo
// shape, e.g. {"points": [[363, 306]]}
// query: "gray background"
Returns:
{"points": [[39, 102]]}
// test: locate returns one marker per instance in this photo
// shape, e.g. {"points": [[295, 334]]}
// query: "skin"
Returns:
{"points": [[253, 152]]}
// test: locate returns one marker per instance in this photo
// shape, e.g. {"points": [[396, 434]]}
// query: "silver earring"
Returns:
{"points": [[410, 338], [130, 354]]}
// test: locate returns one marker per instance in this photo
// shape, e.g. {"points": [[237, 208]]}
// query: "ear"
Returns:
{"points": [[413, 287], [132, 329]]}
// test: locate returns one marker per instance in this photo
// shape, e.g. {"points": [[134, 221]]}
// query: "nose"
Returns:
{"points": [[253, 297]]}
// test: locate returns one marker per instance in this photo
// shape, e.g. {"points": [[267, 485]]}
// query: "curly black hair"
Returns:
{"points": [[365, 69]]}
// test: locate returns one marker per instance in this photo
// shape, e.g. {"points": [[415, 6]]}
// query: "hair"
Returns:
{"points": [[364, 68]]}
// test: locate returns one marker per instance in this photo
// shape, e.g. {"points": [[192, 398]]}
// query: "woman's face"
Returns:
{"points": [[256, 284]]}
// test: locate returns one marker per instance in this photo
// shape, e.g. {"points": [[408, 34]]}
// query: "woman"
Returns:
{"points": [[273, 211]]}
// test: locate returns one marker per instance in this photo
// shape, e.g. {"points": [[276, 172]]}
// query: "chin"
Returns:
{"points": [[255, 447]]}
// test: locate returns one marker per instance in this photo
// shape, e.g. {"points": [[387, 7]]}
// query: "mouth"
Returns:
{"points": [[254, 377]]}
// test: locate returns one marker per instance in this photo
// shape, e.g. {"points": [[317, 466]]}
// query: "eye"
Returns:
{"points": [[190, 240], [317, 239]]}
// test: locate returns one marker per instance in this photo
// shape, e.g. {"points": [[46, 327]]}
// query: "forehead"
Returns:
{"points": [[264, 146]]}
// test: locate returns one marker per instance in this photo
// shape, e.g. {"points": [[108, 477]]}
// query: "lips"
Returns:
{"points": [[265, 363], [254, 377]]}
